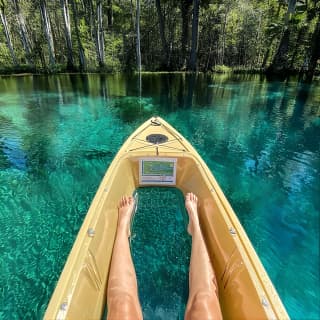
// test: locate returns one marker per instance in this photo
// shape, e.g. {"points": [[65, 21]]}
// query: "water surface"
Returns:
{"points": [[58, 135]]}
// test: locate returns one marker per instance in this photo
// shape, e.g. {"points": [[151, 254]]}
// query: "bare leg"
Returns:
{"points": [[122, 296], [203, 301]]}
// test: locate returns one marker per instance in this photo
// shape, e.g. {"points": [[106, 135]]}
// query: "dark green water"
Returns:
{"points": [[59, 134]]}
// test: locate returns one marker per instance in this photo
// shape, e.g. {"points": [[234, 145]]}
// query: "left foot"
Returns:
{"points": [[125, 210], [191, 204]]}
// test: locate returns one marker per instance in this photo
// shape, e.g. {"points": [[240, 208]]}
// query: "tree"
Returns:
{"points": [[280, 59], [67, 32], [23, 31], [314, 54], [185, 27], [138, 49], [82, 58], [272, 30], [109, 14], [6, 31], [194, 39], [165, 49], [48, 31], [89, 16], [211, 35], [100, 35]]}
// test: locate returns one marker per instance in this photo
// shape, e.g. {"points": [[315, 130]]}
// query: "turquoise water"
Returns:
{"points": [[58, 135], [161, 249]]}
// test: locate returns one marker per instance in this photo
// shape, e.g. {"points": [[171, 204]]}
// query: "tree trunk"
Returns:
{"points": [[100, 35], [165, 50], [280, 59], [89, 16], [265, 58], [132, 14], [138, 37], [7, 33], [185, 34], [291, 9], [224, 39], [303, 30], [48, 31], [257, 59], [130, 41], [82, 58], [194, 42], [67, 32], [267, 54], [109, 14], [24, 35], [314, 54]]}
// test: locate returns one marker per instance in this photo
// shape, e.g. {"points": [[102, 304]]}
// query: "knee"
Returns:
{"points": [[203, 301], [120, 299], [122, 306], [204, 305]]}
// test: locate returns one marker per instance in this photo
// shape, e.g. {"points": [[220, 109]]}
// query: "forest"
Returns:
{"points": [[272, 36]]}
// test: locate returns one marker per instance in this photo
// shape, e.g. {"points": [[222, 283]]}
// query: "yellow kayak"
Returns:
{"points": [[157, 155]]}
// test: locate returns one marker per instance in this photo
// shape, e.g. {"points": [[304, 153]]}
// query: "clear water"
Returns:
{"points": [[58, 135], [161, 249]]}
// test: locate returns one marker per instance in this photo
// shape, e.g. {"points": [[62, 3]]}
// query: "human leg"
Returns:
{"points": [[203, 301], [122, 295]]}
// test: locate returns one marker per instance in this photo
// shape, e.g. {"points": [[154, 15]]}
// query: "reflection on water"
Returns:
{"points": [[58, 134]]}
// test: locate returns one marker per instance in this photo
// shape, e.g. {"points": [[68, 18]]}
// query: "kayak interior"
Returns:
{"points": [[245, 290]]}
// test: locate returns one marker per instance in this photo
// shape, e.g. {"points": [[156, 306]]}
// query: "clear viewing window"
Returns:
{"points": [[157, 171]]}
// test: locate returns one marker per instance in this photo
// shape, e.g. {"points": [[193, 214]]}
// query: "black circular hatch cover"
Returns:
{"points": [[157, 138]]}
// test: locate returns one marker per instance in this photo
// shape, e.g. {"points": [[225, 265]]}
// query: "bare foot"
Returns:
{"points": [[125, 209], [191, 204]]}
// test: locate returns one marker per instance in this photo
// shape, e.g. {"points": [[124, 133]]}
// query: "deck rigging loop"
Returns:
{"points": [[155, 122]]}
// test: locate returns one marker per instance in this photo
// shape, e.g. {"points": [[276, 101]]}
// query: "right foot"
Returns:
{"points": [[192, 208], [126, 206]]}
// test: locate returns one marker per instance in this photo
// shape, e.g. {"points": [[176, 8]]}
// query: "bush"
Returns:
{"points": [[222, 69]]}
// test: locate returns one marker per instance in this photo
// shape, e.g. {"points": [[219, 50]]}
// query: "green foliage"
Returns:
{"points": [[233, 35], [222, 69], [4, 56], [22, 68], [114, 47]]}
